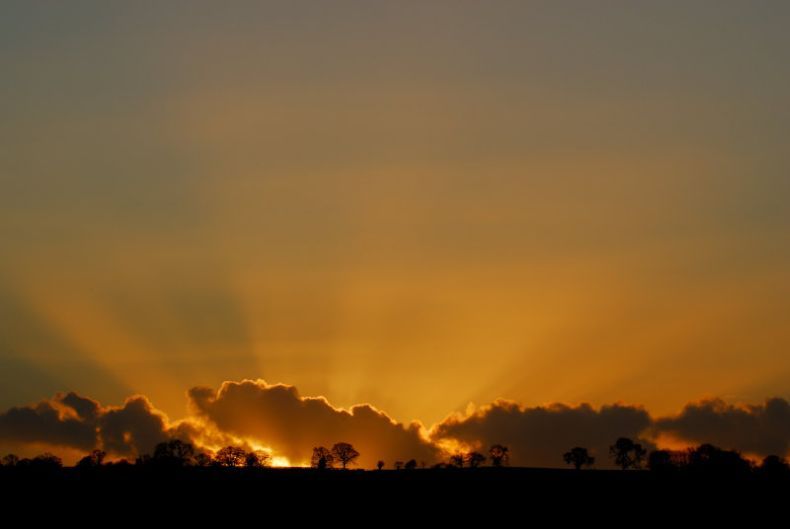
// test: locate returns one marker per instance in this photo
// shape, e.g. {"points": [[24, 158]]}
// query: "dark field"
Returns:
{"points": [[441, 494]]}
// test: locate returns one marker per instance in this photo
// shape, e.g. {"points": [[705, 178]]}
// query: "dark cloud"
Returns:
{"points": [[86, 409], [758, 429], [73, 421], [134, 428], [539, 436], [54, 422], [277, 416]]}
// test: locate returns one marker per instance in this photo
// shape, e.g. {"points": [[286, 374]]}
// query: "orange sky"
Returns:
{"points": [[417, 207]]}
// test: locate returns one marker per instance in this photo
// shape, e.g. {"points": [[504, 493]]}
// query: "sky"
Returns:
{"points": [[421, 206]]}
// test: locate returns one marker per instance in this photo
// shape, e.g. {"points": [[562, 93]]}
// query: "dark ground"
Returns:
{"points": [[488, 496]]}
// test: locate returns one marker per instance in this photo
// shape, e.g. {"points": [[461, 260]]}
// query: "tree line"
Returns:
{"points": [[624, 453], [628, 454]]}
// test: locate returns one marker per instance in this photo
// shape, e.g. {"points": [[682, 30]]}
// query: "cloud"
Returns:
{"points": [[58, 421], [135, 428], [291, 425], [87, 410], [72, 421], [538, 436], [762, 429], [255, 414]]}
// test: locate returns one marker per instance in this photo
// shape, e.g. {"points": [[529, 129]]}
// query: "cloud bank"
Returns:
{"points": [[754, 429], [255, 414], [539, 436], [71, 421]]}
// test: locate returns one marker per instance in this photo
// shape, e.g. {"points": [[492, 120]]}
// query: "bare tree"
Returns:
{"points": [[345, 453], [578, 456]]}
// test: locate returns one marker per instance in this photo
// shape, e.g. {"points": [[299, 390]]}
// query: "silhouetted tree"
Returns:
{"points": [[411, 464], [661, 461], [322, 458], [10, 460], [627, 454], [231, 456], [258, 459], [774, 466], [345, 453], [92, 460], [44, 462], [709, 458], [380, 465], [499, 455], [398, 465], [457, 460], [578, 456], [474, 459], [175, 453], [202, 459]]}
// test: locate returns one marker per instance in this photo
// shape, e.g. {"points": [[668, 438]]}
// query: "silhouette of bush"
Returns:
{"points": [[411, 464]]}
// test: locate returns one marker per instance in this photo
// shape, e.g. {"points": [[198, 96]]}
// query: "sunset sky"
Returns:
{"points": [[415, 205]]}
